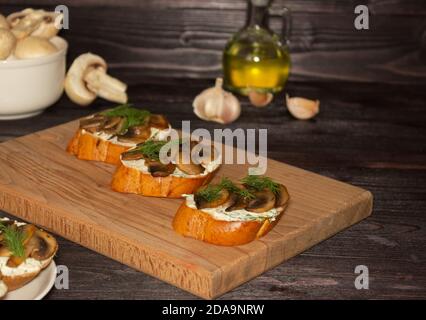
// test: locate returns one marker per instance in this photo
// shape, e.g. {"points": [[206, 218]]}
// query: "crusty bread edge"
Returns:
{"points": [[199, 225], [86, 146], [131, 180], [16, 282]]}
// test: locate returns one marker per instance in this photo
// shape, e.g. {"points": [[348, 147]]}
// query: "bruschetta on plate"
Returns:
{"points": [[104, 136], [141, 171], [25, 251], [230, 213]]}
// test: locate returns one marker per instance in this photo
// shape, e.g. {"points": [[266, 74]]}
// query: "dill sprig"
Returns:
{"points": [[133, 116], [231, 187], [13, 238], [210, 193], [260, 183], [151, 149]]}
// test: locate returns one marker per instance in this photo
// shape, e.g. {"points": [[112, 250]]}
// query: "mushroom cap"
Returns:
{"points": [[16, 17], [34, 47], [3, 22], [75, 86], [47, 27], [7, 43], [34, 22]]}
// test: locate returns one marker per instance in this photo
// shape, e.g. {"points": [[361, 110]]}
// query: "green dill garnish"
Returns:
{"points": [[133, 116], [231, 187], [260, 183], [212, 192], [150, 149], [13, 239], [209, 193]]}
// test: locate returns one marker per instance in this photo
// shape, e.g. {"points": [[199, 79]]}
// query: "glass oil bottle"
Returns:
{"points": [[256, 58]]}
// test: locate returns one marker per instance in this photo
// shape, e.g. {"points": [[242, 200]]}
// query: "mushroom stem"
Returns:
{"points": [[105, 86]]}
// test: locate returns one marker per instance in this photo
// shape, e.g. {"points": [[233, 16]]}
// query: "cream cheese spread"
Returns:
{"points": [[220, 213]]}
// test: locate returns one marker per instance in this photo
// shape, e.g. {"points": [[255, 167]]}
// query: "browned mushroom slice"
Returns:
{"points": [[187, 166], [112, 122], [282, 197], [92, 123], [28, 231], [114, 125], [263, 201], [201, 203], [41, 246], [131, 155], [136, 134], [158, 169], [158, 121], [236, 203]]}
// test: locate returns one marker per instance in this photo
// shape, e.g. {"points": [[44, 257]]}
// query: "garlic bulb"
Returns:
{"points": [[302, 108], [216, 104]]}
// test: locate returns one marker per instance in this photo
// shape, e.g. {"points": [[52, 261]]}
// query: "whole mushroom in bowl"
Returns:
{"points": [[32, 63]]}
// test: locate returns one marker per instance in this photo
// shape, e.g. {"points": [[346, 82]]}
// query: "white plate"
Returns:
{"points": [[38, 288]]}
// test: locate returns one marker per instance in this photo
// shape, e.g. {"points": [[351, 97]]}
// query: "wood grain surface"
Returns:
{"points": [[41, 183], [185, 38], [373, 136]]}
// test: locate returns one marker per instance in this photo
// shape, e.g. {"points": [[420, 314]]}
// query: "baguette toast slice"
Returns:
{"points": [[86, 146], [38, 248], [232, 214], [14, 282], [131, 180], [194, 223]]}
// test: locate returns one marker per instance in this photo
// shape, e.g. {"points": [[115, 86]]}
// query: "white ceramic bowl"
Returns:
{"points": [[29, 86]]}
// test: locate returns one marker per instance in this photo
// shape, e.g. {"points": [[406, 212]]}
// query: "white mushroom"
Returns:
{"points": [[87, 78], [34, 47], [7, 43], [34, 22], [47, 27], [3, 22], [302, 108], [15, 17], [22, 24], [216, 104]]}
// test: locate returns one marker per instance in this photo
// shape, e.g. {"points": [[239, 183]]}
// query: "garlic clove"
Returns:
{"points": [[216, 104], [301, 108], [260, 99]]}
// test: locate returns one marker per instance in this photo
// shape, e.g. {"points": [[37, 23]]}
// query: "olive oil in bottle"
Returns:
{"points": [[255, 58]]}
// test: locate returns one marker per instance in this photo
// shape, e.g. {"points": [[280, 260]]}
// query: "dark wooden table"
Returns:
{"points": [[373, 136]]}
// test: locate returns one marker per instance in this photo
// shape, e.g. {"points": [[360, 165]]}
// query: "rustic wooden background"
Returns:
{"points": [[371, 130], [185, 38]]}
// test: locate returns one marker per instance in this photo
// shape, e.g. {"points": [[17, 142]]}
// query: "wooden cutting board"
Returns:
{"points": [[41, 183]]}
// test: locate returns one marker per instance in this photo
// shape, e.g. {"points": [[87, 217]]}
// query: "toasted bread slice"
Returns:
{"points": [[86, 146], [39, 246], [3, 289], [199, 225], [131, 180], [18, 281]]}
